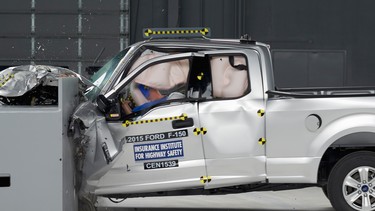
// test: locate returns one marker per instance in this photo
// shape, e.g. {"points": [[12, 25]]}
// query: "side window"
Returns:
{"points": [[229, 76], [156, 84]]}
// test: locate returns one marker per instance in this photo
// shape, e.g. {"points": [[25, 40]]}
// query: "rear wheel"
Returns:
{"points": [[352, 181]]}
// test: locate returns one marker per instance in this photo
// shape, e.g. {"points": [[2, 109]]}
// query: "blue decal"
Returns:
{"points": [[170, 149]]}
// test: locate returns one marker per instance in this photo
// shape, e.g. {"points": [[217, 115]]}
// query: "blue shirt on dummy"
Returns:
{"points": [[149, 104], [146, 93]]}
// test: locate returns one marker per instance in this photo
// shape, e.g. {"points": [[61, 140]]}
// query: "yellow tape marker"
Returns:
{"points": [[127, 123], [202, 179], [203, 131], [200, 76], [262, 141], [204, 31], [205, 179], [198, 131], [261, 112], [149, 32], [209, 179], [5, 79]]}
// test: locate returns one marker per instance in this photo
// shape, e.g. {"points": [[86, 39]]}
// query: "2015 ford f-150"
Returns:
{"points": [[201, 114]]}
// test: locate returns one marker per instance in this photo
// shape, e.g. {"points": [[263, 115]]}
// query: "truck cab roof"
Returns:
{"points": [[215, 43]]}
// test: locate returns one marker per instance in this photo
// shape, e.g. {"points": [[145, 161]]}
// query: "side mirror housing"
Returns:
{"points": [[103, 103], [111, 110]]}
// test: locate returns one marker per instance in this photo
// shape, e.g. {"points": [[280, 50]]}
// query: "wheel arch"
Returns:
{"points": [[353, 142], [339, 137], [347, 130]]}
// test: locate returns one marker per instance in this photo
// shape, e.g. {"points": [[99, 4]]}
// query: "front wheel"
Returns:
{"points": [[352, 181]]}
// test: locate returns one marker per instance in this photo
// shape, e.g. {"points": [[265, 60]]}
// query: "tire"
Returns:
{"points": [[352, 181], [86, 203], [325, 191]]}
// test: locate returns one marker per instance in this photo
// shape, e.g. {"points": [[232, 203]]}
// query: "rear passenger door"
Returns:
{"points": [[232, 118]]}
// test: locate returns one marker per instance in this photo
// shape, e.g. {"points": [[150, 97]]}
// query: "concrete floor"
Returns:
{"points": [[299, 199]]}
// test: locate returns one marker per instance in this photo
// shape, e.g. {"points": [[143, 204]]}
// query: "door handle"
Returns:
{"points": [[189, 122]]}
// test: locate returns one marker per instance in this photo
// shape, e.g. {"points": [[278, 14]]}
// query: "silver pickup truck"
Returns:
{"points": [[179, 116]]}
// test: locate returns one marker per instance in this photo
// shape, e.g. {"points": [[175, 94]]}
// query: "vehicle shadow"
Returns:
{"points": [[195, 209], [304, 199]]}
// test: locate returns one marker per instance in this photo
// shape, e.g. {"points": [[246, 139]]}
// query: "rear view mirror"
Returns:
{"points": [[103, 103]]}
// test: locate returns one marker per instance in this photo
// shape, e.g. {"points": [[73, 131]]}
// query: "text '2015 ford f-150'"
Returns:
{"points": [[179, 115]]}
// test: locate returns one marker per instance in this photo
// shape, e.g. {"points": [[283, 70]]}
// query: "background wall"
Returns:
{"points": [[315, 43], [78, 34]]}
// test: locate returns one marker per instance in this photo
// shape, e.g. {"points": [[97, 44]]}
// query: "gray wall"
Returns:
{"points": [[69, 33], [342, 29]]}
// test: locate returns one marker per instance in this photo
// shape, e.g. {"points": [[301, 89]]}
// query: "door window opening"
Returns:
{"points": [[229, 76]]}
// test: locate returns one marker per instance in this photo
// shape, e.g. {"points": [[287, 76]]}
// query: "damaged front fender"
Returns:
{"points": [[95, 146]]}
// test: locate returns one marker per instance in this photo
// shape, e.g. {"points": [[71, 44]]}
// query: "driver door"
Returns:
{"points": [[159, 150]]}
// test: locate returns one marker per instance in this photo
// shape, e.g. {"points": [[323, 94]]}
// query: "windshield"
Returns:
{"points": [[100, 78]]}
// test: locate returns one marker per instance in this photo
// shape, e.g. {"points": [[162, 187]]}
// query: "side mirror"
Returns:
{"points": [[103, 103], [111, 110]]}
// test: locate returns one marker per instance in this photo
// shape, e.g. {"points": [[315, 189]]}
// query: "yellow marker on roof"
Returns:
{"points": [[176, 32]]}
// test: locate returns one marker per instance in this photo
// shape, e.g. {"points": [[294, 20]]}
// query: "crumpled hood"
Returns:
{"points": [[16, 81]]}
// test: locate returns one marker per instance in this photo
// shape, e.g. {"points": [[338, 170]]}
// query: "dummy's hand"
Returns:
{"points": [[125, 104]]}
